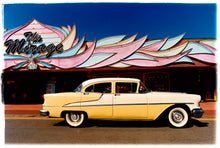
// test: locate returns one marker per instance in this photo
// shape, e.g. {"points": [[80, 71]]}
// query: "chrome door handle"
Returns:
{"points": [[86, 93], [117, 94]]}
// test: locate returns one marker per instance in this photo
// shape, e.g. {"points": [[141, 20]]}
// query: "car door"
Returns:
{"points": [[128, 103], [97, 99]]}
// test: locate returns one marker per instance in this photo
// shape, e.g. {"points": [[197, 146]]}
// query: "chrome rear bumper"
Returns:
{"points": [[44, 112]]}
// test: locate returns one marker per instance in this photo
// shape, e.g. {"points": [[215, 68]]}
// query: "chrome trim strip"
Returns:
{"points": [[171, 103], [67, 105], [124, 104], [49, 106]]}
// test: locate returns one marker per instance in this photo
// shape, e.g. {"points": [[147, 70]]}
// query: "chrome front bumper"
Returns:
{"points": [[197, 113], [44, 112]]}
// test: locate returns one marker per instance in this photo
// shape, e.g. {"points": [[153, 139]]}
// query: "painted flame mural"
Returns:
{"points": [[114, 51]]}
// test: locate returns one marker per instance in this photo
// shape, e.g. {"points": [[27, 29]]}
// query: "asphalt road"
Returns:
{"points": [[37, 130]]}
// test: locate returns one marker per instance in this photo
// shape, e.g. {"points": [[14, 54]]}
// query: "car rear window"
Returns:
{"points": [[100, 87]]}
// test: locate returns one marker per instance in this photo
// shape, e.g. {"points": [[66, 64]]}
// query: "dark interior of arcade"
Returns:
{"points": [[28, 87]]}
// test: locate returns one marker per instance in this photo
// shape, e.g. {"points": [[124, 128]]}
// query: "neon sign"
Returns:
{"points": [[27, 45], [28, 49]]}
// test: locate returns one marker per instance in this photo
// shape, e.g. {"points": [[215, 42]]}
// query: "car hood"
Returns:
{"points": [[174, 97]]}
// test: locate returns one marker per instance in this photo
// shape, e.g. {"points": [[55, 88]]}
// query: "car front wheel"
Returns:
{"points": [[178, 117], [75, 119]]}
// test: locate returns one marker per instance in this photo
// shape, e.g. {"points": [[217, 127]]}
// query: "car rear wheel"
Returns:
{"points": [[178, 117], [75, 119]]}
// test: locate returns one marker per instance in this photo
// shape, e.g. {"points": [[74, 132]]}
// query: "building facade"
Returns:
{"points": [[41, 59]]}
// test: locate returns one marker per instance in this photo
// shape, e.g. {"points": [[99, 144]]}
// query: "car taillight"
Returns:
{"points": [[43, 98]]}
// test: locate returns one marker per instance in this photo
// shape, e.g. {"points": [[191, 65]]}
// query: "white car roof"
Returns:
{"points": [[87, 82]]}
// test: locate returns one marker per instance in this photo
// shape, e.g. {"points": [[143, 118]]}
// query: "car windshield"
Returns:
{"points": [[78, 89], [143, 88]]}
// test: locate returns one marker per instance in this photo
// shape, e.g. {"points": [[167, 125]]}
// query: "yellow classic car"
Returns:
{"points": [[121, 98]]}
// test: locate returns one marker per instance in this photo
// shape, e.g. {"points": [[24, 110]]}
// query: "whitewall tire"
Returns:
{"points": [[75, 119], [178, 117]]}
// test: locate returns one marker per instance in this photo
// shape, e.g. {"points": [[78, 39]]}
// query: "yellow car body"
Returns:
{"points": [[123, 98]]}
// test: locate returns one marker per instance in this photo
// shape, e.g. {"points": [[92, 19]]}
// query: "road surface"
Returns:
{"points": [[41, 130]]}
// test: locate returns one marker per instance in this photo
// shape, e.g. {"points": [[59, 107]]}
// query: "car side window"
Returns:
{"points": [[100, 87], [143, 88], [90, 89], [122, 87]]}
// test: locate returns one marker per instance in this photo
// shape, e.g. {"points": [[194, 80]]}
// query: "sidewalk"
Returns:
{"points": [[209, 108], [23, 109], [33, 109]]}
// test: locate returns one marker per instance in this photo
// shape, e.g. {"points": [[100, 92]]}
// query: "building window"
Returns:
{"points": [[157, 81]]}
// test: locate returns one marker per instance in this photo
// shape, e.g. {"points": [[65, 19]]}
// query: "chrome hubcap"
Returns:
{"points": [[74, 117], [177, 117]]}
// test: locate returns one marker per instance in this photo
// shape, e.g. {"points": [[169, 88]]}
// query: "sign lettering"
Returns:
{"points": [[27, 45]]}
